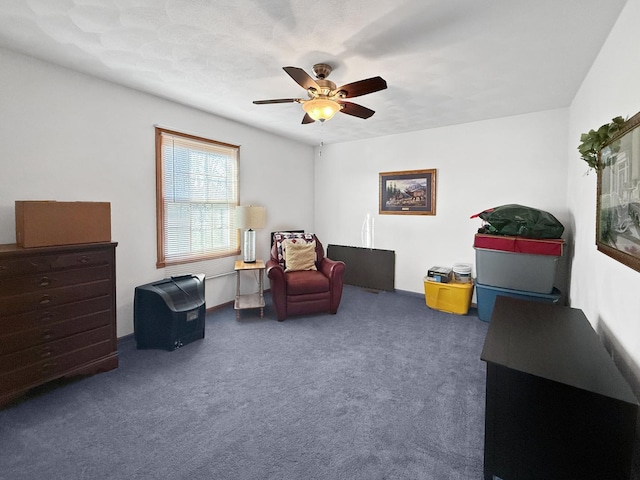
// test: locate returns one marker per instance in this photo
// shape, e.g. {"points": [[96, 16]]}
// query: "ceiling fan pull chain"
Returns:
{"points": [[321, 139]]}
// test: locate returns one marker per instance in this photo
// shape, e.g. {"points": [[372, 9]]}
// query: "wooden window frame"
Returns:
{"points": [[162, 260]]}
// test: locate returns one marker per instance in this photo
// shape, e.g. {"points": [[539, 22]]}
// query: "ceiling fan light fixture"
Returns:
{"points": [[321, 108], [325, 100]]}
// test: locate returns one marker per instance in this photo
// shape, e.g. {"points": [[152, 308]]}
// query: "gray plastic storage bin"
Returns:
{"points": [[516, 271]]}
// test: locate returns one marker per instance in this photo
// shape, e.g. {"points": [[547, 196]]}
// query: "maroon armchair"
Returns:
{"points": [[304, 291]]}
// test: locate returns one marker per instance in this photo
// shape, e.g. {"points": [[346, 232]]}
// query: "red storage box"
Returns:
{"points": [[532, 246]]}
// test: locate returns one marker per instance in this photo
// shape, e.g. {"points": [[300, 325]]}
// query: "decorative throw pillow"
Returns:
{"points": [[279, 239], [300, 255]]}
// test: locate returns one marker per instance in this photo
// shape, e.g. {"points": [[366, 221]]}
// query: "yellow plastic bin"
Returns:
{"points": [[452, 297]]}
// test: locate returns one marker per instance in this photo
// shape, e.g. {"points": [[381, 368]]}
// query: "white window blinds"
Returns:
{"points": [[197, 192]]}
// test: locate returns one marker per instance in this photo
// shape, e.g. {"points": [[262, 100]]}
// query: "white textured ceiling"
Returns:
{"points": [[446, 61]]}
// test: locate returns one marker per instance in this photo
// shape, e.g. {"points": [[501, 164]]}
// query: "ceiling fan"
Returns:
{"points": [[325, 100]]}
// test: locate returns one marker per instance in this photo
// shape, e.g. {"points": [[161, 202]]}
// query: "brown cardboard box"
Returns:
{"points": [[46, 223]]}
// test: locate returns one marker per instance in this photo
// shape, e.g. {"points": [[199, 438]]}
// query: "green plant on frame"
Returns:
{"points": [[593, 141]]}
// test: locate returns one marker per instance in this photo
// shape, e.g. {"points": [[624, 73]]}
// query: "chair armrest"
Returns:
{"points": [[278, 288], [274, 268], [333, 269]]}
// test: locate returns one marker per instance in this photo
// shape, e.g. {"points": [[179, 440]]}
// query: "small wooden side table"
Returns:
{"points": [[251, 300]]}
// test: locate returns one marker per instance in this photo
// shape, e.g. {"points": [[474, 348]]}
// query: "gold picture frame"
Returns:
{"points": [[410, 192], [618, 199]]}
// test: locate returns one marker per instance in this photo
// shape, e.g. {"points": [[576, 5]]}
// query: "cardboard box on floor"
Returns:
{"points": [[48, 223]]}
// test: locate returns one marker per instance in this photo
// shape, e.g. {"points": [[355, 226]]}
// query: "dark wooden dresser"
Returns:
{"points": [[557, 406], [57, 314]]}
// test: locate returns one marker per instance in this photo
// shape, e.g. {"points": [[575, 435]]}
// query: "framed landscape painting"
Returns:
{"points": [[411, 192], [618, 204]]}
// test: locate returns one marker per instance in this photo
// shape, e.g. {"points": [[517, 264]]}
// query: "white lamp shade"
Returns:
{"points": [[250, 216]]}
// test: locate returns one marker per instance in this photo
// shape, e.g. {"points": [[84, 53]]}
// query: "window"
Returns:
{"points": [[196, 196]]}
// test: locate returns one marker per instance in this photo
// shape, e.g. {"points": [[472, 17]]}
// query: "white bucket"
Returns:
{"points": [[462, 272]]}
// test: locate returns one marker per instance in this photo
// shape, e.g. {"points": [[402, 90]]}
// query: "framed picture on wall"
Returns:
{"points": [[412, 192], [618, 200]]}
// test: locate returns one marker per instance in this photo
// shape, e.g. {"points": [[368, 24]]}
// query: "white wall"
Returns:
{"points": [[67, 136], [520, 159], [606, 290]]}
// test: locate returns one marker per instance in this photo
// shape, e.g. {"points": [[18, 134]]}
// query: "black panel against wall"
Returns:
{"points": [[366, 267]]}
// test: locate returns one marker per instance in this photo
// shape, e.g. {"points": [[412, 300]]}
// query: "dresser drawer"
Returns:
{"points": [[45, 317], [49, 333], [22, 264], [50, 368], [60, 278], [53, 297], [51, 350]]}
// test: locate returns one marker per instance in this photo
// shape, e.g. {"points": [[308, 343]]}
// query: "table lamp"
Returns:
{"points": [[250, 217]]}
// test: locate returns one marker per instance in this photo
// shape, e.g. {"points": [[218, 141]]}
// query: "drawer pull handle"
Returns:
{"points": [[84, 259], [47, 335], [47, 367], [46, 318], [45, 299], [46, 353], [44, 282]]}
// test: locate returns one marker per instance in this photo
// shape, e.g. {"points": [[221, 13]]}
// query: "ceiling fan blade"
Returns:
{"points": [[307, 119], [301, 77], [363, 87], [276, 100], [356, 110]]}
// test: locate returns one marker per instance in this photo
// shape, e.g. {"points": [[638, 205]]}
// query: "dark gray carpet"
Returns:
{"points": [[386, 389]]}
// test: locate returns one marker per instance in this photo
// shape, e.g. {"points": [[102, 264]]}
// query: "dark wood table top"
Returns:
{"points": [[555, 343]]}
